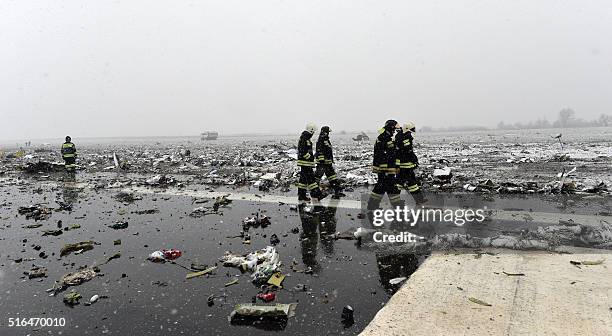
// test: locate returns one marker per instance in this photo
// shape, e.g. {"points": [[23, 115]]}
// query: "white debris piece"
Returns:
{"points": [[270, 176], [469, 187], [261, 263], [442, 172], [573, 170], [396, 281]]}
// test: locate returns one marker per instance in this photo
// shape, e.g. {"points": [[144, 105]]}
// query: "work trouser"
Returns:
{"points": [[327, 170], [406, 180], [308, 182], [386, 184], [70, 163]]}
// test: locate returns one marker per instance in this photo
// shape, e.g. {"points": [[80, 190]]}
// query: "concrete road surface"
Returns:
{"points": [[553, 297]]}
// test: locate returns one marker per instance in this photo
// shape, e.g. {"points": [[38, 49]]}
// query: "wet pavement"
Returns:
{"points": [[151, 298]]}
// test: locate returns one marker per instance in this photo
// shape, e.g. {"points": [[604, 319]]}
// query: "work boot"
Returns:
{"points": [[318, 195], [338, 193], [302, 196]]}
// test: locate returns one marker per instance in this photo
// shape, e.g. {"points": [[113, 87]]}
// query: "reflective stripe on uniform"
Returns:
{"points": [[301, 186], [413, 188], [375, 195], [406, 141], [306, 163], [395, 197], [68, 155], [313, 186], [407, 165], [333, 177]]}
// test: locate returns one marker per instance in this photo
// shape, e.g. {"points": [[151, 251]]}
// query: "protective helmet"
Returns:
{"points": [[68, 138], [409, 126], [390, 124], [325, 129], [311, 128]]}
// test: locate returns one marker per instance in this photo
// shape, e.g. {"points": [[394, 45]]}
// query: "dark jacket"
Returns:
{"points": [[384, 153], [305, 155], [405, 153], [68, 150], [324, 153]]}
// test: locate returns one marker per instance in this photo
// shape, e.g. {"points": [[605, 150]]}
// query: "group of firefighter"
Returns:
{"points": [[394, 163]]}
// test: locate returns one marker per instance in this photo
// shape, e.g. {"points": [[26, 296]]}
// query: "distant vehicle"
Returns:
{"points": [[362, 137], [209, 135]]}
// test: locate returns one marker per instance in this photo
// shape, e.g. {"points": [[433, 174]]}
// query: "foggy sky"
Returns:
{"points": [[102, 68]]}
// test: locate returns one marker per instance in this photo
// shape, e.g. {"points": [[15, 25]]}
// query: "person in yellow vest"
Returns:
{"points": [[69, 154]]}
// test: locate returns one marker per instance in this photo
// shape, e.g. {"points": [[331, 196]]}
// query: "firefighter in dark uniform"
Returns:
{"points": [[325, 159], [69, 155], [407, 162], [384, 166], [307, 164]]}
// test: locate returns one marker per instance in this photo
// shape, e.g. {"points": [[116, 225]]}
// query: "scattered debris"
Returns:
{"points": [[276, 279], [114, 256], [72, 298], [480, 302], [261, 263], [160, 181], [513, 274], [200, 273], [396, 281], [37, 212], [119, 225], [233, 282], [77, 247], [36, 272], [588, 262], [267, 297], [157, 256], [73, 279], [52, 232], [347, 316], [127, 197], [248, 313], [221, 202]]}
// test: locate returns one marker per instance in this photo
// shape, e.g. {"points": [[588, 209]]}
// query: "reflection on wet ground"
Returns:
{"points": [[143, 298], [325, 273]]}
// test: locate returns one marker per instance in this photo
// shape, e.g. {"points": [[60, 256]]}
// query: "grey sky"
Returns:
{"points": [[102, 68]]}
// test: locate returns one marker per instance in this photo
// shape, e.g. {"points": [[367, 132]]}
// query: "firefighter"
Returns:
{"points": [[407, 162], [69, 154], [307, 164], [384, 166], [325, 159]]}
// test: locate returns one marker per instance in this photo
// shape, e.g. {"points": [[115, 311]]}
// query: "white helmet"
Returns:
{"points": [[311, 128], [409, 126]]}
